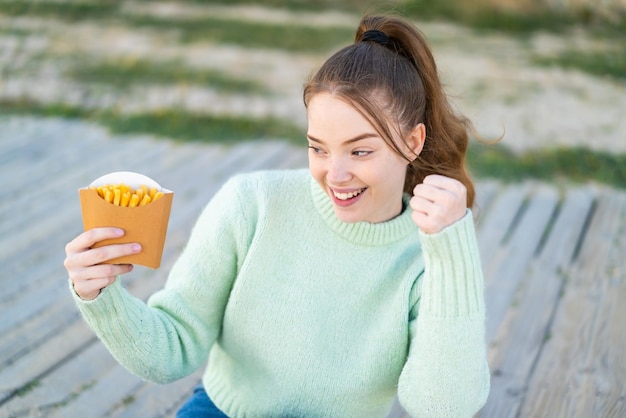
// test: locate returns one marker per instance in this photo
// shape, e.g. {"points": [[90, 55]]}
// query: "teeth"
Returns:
{"points": [[346, 196]]}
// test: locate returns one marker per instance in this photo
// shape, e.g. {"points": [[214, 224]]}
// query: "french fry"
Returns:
{"points": [[125, 199], [125, 196], [124, 188], [145, 200], [117, 196], [134, 201]]}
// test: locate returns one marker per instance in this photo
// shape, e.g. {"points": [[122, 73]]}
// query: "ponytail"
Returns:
{"points": [[390, 76]]}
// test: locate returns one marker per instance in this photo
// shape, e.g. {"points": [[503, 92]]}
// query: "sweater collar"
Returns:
{"points": [[364, 233]]}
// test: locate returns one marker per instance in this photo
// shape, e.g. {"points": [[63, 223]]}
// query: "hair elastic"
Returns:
{"points": [[374, 35]]}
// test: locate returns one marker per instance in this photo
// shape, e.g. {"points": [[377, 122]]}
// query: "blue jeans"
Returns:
{"points": [[199, 406]]}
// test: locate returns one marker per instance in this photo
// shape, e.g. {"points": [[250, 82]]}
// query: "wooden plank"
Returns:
{"points": [[568, 374], [498, 220], [16, 136], [153, 400], [19, 340], [63, 384], [54, 153], [601, 390], [510, 262], [486, 192], [23, 373], [20, 308], [58, 151], [514, 350], [95, 401]]}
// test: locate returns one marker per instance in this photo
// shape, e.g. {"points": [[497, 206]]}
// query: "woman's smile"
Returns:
{"points": [[342, 197]]}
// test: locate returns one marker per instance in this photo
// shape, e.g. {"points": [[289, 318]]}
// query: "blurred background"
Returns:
{"points": [[550, 74], [178, 90]]}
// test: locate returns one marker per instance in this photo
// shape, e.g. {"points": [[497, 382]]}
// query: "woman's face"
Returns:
{"points": [[360, 173]]}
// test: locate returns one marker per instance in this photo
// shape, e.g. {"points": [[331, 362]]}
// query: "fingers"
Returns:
{"points": [[101, 271], [438, 202], [89, 238], [84, 264], [93, 256], [89, 288], [80, 254], [437, 188]]}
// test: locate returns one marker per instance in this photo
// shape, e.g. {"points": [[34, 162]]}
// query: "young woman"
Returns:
{"points": [[330, 291]]}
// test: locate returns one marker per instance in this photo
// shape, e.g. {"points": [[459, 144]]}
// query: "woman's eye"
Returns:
{"points": [[315, 149], [361, 153]]}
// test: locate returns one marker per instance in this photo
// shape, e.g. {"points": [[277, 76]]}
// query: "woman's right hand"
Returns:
{"points": [[83, 263]]}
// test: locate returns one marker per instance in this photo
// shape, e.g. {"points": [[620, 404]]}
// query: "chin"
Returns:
{"points": [[350, 218]]}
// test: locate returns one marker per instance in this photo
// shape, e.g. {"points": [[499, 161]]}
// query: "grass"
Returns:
{"points": [[611, 63], [304, 5], [527, 16], [480, 14], [70, 11], [19, 32], [231, 31], [180, 125], [27, 388], [484, 15], [125, 73], [172, 124], [576, 164], [249, 34], [107, 8]]}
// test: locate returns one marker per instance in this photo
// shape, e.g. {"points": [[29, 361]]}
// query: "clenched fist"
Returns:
{"points": [[438, 202]]}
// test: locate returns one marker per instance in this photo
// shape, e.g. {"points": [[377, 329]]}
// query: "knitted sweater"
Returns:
{"points": [[302, 315]]}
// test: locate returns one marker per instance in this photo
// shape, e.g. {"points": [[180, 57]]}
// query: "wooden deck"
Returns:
{"points": [[554, 260]]}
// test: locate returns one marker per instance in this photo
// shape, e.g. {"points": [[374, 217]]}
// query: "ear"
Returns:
{"points": [[415, 140]]}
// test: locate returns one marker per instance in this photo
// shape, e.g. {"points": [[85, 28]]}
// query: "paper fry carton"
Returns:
{"points": [[146, 224]]}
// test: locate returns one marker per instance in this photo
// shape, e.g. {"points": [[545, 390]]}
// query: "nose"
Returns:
{"points": [[338, 171]]}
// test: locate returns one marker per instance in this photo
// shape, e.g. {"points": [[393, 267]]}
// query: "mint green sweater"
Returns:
{"points": [[302, 315]]}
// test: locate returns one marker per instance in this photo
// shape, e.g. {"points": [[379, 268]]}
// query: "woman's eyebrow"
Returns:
{"points": [[347, 141]]}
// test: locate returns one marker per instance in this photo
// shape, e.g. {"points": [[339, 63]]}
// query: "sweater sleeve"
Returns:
{"points": [[170, 336], [446, 373]]}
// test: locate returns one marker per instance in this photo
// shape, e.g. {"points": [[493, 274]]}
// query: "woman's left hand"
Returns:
{"points": [[438, 202]]}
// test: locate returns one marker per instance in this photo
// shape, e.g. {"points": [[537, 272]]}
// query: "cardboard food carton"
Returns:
{"points": [[146, 224]]}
